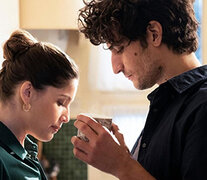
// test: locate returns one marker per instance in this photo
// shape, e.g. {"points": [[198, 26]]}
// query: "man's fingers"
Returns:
{"points": [[85, 129], [96, 127], [119, 136], [114, 128], [80, 154], [80, 145]]}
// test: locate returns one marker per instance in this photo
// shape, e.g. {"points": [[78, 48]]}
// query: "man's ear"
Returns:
{"points": [[26, 92], [154, 33]]}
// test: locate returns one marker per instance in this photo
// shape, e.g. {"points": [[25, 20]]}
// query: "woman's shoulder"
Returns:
{"points": [[4, 154]]}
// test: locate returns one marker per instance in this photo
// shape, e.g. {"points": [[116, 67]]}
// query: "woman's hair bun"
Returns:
{"points": [[19, 42]]}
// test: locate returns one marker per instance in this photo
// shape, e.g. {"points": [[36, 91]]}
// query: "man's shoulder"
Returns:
{"points": [[200, 91], [197, 95]]}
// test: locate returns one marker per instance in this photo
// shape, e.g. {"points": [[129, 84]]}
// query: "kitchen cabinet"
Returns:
{"points": [[49, 14]]}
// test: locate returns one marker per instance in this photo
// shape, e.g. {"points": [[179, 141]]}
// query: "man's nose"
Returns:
{"points": [[117, 64]]}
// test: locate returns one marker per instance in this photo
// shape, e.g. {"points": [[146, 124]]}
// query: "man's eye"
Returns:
{"points": [[119, 49]]}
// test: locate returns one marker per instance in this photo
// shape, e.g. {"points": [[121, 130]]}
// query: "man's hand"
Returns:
{"points": [[101, 151]]}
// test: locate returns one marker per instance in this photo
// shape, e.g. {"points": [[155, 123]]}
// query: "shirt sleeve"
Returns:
{"points": [[194, 162]]}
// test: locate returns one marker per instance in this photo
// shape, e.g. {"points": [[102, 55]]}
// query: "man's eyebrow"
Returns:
{"points": [[110, 47]]}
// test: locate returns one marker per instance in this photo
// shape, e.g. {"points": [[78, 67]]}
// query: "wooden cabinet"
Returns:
{"points": [[49, 14]]}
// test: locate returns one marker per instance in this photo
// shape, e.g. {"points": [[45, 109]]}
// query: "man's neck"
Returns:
{"points": [[177, 64]]}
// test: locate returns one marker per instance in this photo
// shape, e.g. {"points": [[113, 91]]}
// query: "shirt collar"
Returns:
{"points": [[31, 148], [186, 80], [182, 82], [9, 140]]}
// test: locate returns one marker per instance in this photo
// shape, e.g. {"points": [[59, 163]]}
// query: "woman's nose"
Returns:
{"points": [[65, 117]]}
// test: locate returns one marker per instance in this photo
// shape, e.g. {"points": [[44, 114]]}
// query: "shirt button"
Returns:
{"points": [[144, 145]]}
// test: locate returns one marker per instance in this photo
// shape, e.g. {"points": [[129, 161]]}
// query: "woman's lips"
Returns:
{"points": [[55, 129]]}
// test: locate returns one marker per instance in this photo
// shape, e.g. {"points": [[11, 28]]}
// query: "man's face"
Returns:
{"points": [[140, 65]]}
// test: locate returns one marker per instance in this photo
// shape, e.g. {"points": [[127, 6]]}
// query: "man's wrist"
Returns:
{"points": [[126, 162], [131, 169]]}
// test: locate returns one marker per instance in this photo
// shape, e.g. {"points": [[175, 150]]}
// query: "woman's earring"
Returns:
{"points": [[26, 107]]}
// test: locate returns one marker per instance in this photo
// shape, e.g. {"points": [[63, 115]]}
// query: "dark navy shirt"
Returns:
{"points": [[16, 162], [174, 139]]}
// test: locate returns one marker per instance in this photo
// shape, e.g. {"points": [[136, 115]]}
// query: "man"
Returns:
{"points": [[152, 42]]}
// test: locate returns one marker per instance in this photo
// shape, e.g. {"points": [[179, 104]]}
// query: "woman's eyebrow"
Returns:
{"points": [[65, 96]]}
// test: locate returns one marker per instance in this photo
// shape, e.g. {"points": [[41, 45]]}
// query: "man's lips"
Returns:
{"points": [[129, 76]]}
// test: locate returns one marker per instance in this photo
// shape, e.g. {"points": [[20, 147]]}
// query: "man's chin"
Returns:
{"points": [[141, 86]]}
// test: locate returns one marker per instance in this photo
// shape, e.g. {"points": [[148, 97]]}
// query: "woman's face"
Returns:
{"points": [[50, 109]]}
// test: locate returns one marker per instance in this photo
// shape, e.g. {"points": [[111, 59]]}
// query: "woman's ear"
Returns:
{"points": [[26, 92], [154, 33]]}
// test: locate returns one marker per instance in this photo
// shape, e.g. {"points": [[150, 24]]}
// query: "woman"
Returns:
{"points": [[38, 82]]}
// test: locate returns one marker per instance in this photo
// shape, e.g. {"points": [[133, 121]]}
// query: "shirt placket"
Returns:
{"points": [[156, 109]]}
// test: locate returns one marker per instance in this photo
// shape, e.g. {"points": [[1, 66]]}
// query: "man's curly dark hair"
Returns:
{"points": [[116, 21]]}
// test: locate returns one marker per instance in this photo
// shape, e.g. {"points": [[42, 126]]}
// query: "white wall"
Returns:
{"points": [[204, 32], [9, 20], [95, 174]]}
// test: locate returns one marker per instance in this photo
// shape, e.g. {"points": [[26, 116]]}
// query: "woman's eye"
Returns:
{"points": [[59, 103]]}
